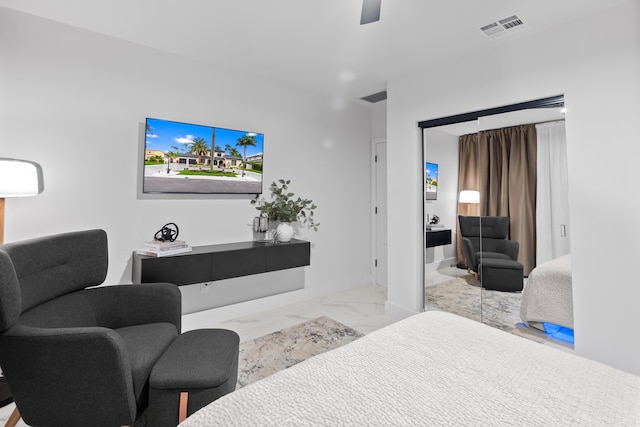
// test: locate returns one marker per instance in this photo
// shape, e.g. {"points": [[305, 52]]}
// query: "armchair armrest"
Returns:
{"points": [[509, 247], [127, 305], [62, 376], [469, 254]]}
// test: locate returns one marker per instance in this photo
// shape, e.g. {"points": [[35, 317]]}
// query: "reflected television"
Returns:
{"points": [[431, 181], [185, 158]]}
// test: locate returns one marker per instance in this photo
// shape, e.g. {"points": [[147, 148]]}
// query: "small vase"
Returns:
{"points": [[284, 232], [261, 229]]}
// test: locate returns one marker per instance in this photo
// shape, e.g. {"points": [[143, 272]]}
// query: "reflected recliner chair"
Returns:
{"points": [[74, 356], [493, 243]]}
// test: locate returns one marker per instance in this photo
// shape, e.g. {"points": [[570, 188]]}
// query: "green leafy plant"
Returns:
{"points": [[284, 207]]}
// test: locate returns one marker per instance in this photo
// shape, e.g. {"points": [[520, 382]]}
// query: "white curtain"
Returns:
{"points": [[552, 205]]}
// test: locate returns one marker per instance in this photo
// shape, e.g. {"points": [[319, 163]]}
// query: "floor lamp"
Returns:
{"points": [[18, 178]]}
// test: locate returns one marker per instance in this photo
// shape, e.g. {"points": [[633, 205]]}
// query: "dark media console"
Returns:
{"points": [[218, 262], [438, 237]]}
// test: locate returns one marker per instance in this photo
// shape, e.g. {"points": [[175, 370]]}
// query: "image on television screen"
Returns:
{"points": [[431, 181], [184, 158]]}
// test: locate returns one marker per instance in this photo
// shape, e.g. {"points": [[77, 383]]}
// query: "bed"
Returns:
{"points": [[434, 368], [548, 295]]}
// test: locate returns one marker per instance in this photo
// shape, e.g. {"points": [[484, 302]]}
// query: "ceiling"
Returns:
{"points": [[314, 45]]}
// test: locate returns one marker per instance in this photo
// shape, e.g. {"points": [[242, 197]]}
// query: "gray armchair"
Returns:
{"points": [[74, 356], [486, 237]]}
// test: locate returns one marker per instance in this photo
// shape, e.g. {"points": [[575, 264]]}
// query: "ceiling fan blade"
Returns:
{"points": [[370, 11]]}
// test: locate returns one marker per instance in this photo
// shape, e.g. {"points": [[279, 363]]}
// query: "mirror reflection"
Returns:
{"points": [[449, 284], [511, 227]]}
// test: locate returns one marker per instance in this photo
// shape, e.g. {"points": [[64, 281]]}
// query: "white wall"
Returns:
{"points": [[76, 101], [442, 148], [598, 73], [379, 120]]}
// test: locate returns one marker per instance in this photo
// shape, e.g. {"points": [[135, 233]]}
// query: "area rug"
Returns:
{"points": [[465, 297], [279, 350]]}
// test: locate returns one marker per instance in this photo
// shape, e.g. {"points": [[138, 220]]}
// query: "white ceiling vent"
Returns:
{"points": [[504, 26]]}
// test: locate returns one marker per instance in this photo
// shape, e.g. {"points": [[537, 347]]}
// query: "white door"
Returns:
{"points": [[380, 212]]}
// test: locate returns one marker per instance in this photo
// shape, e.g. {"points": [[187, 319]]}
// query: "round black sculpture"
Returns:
{"points": [[168, 233]]}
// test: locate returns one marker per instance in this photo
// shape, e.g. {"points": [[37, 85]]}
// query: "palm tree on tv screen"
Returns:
{"points": [[244, 141], [199, 147]]}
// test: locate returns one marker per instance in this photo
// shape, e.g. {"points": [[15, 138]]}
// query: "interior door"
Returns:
{"points": [[380, 208]]}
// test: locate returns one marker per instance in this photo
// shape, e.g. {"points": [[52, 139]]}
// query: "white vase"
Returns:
{"points": [[284, 232]]}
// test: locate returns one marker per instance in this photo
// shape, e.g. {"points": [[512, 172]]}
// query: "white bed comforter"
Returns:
{"points": [[548, 294], [435, 368]]}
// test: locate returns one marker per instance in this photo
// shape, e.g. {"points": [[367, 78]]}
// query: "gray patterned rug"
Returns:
{"points": [[465, 297], [274, 352]]}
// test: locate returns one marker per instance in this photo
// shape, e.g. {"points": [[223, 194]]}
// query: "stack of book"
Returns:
{"points": [[434, 226], [157, 248]]}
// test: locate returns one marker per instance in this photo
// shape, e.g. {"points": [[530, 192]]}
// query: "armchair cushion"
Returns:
{"points": [[51, 266], [144, 345]]}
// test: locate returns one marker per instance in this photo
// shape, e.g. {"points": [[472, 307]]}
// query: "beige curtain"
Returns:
{"points": [[467, 180], [506, 174]]}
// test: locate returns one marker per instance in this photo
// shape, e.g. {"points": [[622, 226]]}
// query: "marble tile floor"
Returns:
{"points": [[361, 308]]}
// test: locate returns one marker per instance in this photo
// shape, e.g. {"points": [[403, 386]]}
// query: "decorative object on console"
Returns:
{"points": [[168, 233], [434, 223], [165, 242], [157, 248], [260, 229], [284, 231], [283, 208]]}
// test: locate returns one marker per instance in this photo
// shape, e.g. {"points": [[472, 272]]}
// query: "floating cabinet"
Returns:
{"points": [[218, 262]]}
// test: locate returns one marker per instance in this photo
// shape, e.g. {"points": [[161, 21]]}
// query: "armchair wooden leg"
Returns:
{"points": [[184, 399], [13, 419]]}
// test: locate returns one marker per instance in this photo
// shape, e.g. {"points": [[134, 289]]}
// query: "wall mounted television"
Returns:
{"points": [[431, 181], [190, 159]]}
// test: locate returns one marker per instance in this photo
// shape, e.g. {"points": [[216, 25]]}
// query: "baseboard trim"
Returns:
{"points": [[397, 312], [439, 265]]}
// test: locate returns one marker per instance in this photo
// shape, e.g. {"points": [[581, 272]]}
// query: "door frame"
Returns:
{"points": [[374, 188]]}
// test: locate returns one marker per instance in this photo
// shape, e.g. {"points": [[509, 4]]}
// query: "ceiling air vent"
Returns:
{"points": [[504, 26], [376, 97]]}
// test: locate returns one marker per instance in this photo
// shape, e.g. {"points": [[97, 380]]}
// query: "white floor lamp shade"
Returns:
{"points": [[469, 196], [18, 178]]}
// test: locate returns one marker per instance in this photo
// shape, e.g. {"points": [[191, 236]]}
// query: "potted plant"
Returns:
{"points": [[283, 209]]}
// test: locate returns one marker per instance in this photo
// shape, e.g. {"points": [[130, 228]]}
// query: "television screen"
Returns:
{"points": [[183, 158], [431, 181]]}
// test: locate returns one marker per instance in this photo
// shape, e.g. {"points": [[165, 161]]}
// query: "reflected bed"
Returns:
{"points": [[548, 296]]}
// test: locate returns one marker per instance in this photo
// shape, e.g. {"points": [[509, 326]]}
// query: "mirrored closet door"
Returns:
{"points": [[511, 192], [450, 166]]}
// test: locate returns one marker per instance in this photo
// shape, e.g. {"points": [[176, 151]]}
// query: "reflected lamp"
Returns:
{"points": [[469, 196], [18, 178]]}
